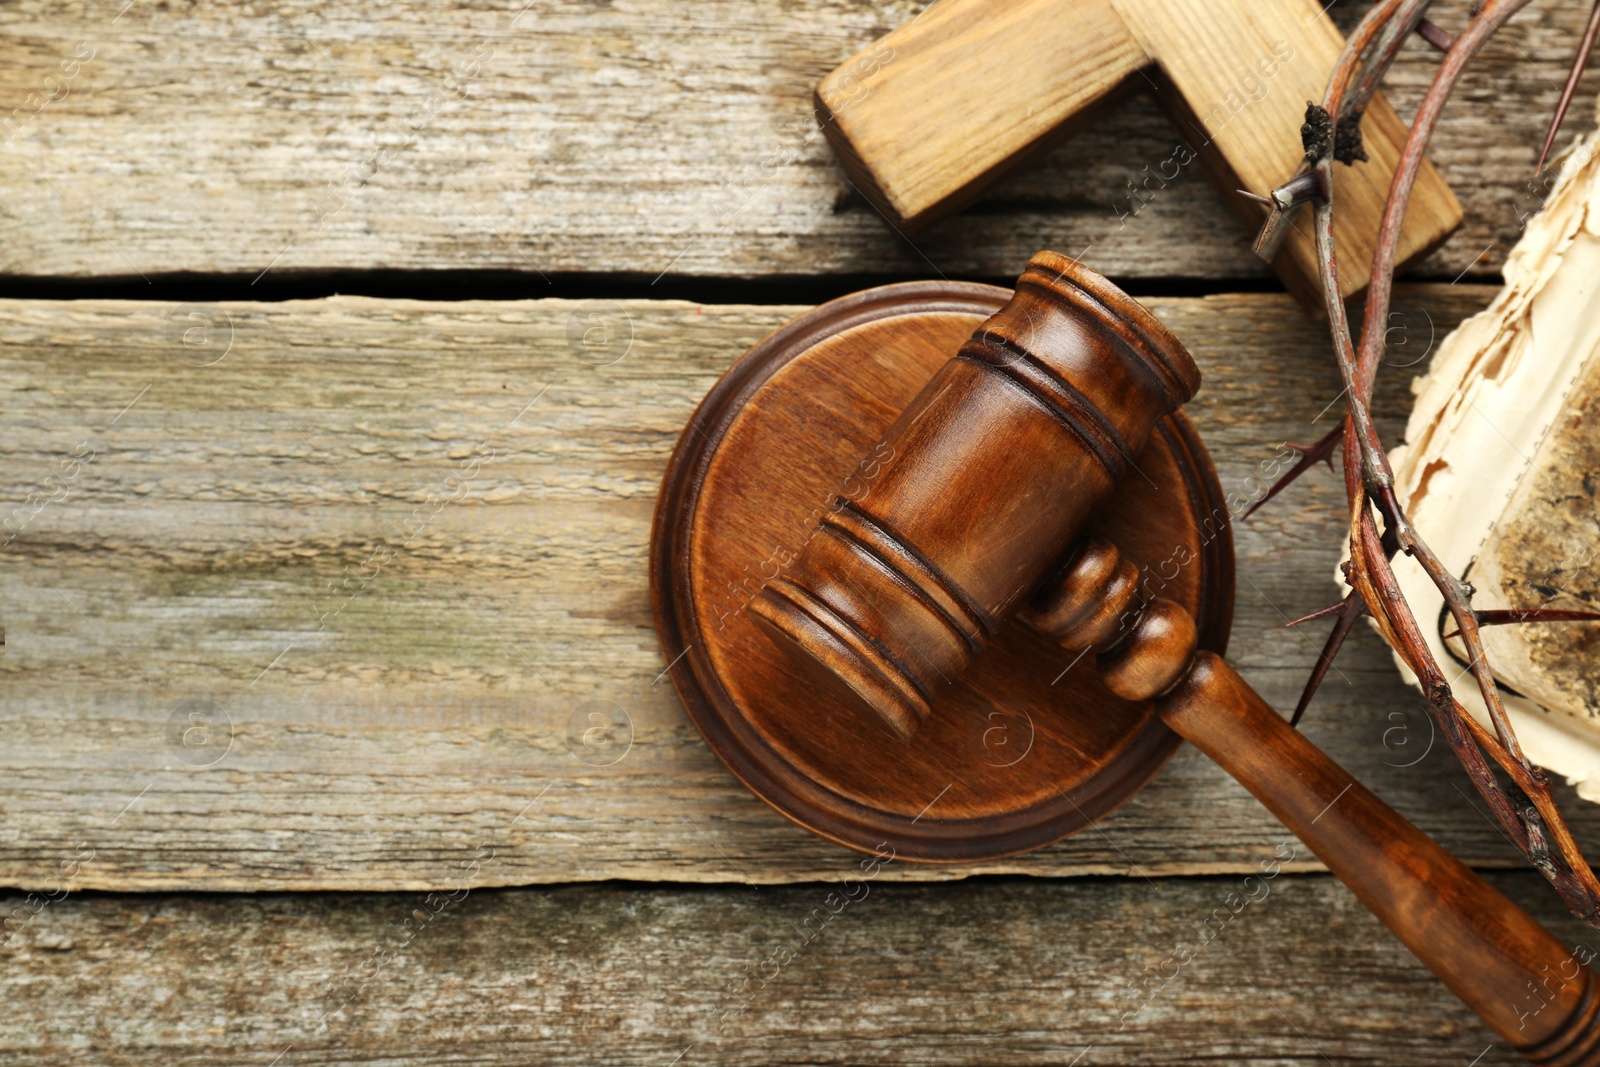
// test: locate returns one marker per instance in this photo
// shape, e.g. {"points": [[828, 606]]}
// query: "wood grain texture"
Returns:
{"points": [[638, 138], [988, 972], [438, 696], [926, 118], [963, 93], [1244, 73]]}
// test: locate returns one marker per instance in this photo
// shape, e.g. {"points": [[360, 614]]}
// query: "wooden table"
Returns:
{"points": [[328, 520]]}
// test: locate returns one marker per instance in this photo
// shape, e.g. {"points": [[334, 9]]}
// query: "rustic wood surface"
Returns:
{"points": [[243, 650], [632, 138], [327, 594], [1019, 972]]}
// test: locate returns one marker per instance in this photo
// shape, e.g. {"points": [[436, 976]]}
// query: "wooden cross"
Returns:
{"points": [[927, 117]]}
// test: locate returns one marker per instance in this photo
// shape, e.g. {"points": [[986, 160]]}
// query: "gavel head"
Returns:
{"points": [[983, 482]]}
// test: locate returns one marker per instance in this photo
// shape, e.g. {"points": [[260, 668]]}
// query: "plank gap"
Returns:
{"points": [[452, 286]]}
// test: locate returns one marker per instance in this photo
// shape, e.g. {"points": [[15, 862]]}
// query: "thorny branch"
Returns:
{"points": [[1523, 805]]}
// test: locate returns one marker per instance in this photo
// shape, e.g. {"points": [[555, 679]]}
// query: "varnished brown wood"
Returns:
{"points": [[1166, 633], [925, 118], [1531, 989], [1024, 749], [1054, 396], [1535, 992], [840, 597], [1145, 641], [1084, 606]]}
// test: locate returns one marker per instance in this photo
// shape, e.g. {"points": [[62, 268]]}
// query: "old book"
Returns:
{"points": [[1499, 473]]}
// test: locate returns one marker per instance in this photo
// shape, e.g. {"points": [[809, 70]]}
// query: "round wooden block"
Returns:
{"points": [[1023, 749]]}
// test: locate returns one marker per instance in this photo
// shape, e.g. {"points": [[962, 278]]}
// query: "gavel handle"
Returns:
{"points": [[1530, 989], [1536, 994]]}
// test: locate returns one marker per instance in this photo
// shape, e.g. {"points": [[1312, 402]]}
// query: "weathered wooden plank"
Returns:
{"points": [[1105, 971], [317, 595], [637, 137]]}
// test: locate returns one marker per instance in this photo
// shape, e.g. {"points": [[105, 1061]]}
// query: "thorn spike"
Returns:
{"points": [[1585, 46], [1310, 456], [1441, 39], [1350, 609]]}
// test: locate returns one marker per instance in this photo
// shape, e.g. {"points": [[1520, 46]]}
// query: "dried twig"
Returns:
{"points": [[1524, 806]]}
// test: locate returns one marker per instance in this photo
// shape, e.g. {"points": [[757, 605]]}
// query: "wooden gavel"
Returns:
{"points": [[999, 461]]}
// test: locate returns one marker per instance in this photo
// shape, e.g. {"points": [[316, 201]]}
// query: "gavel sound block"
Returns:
{"points": [[1002, 489], [925, 118]]}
